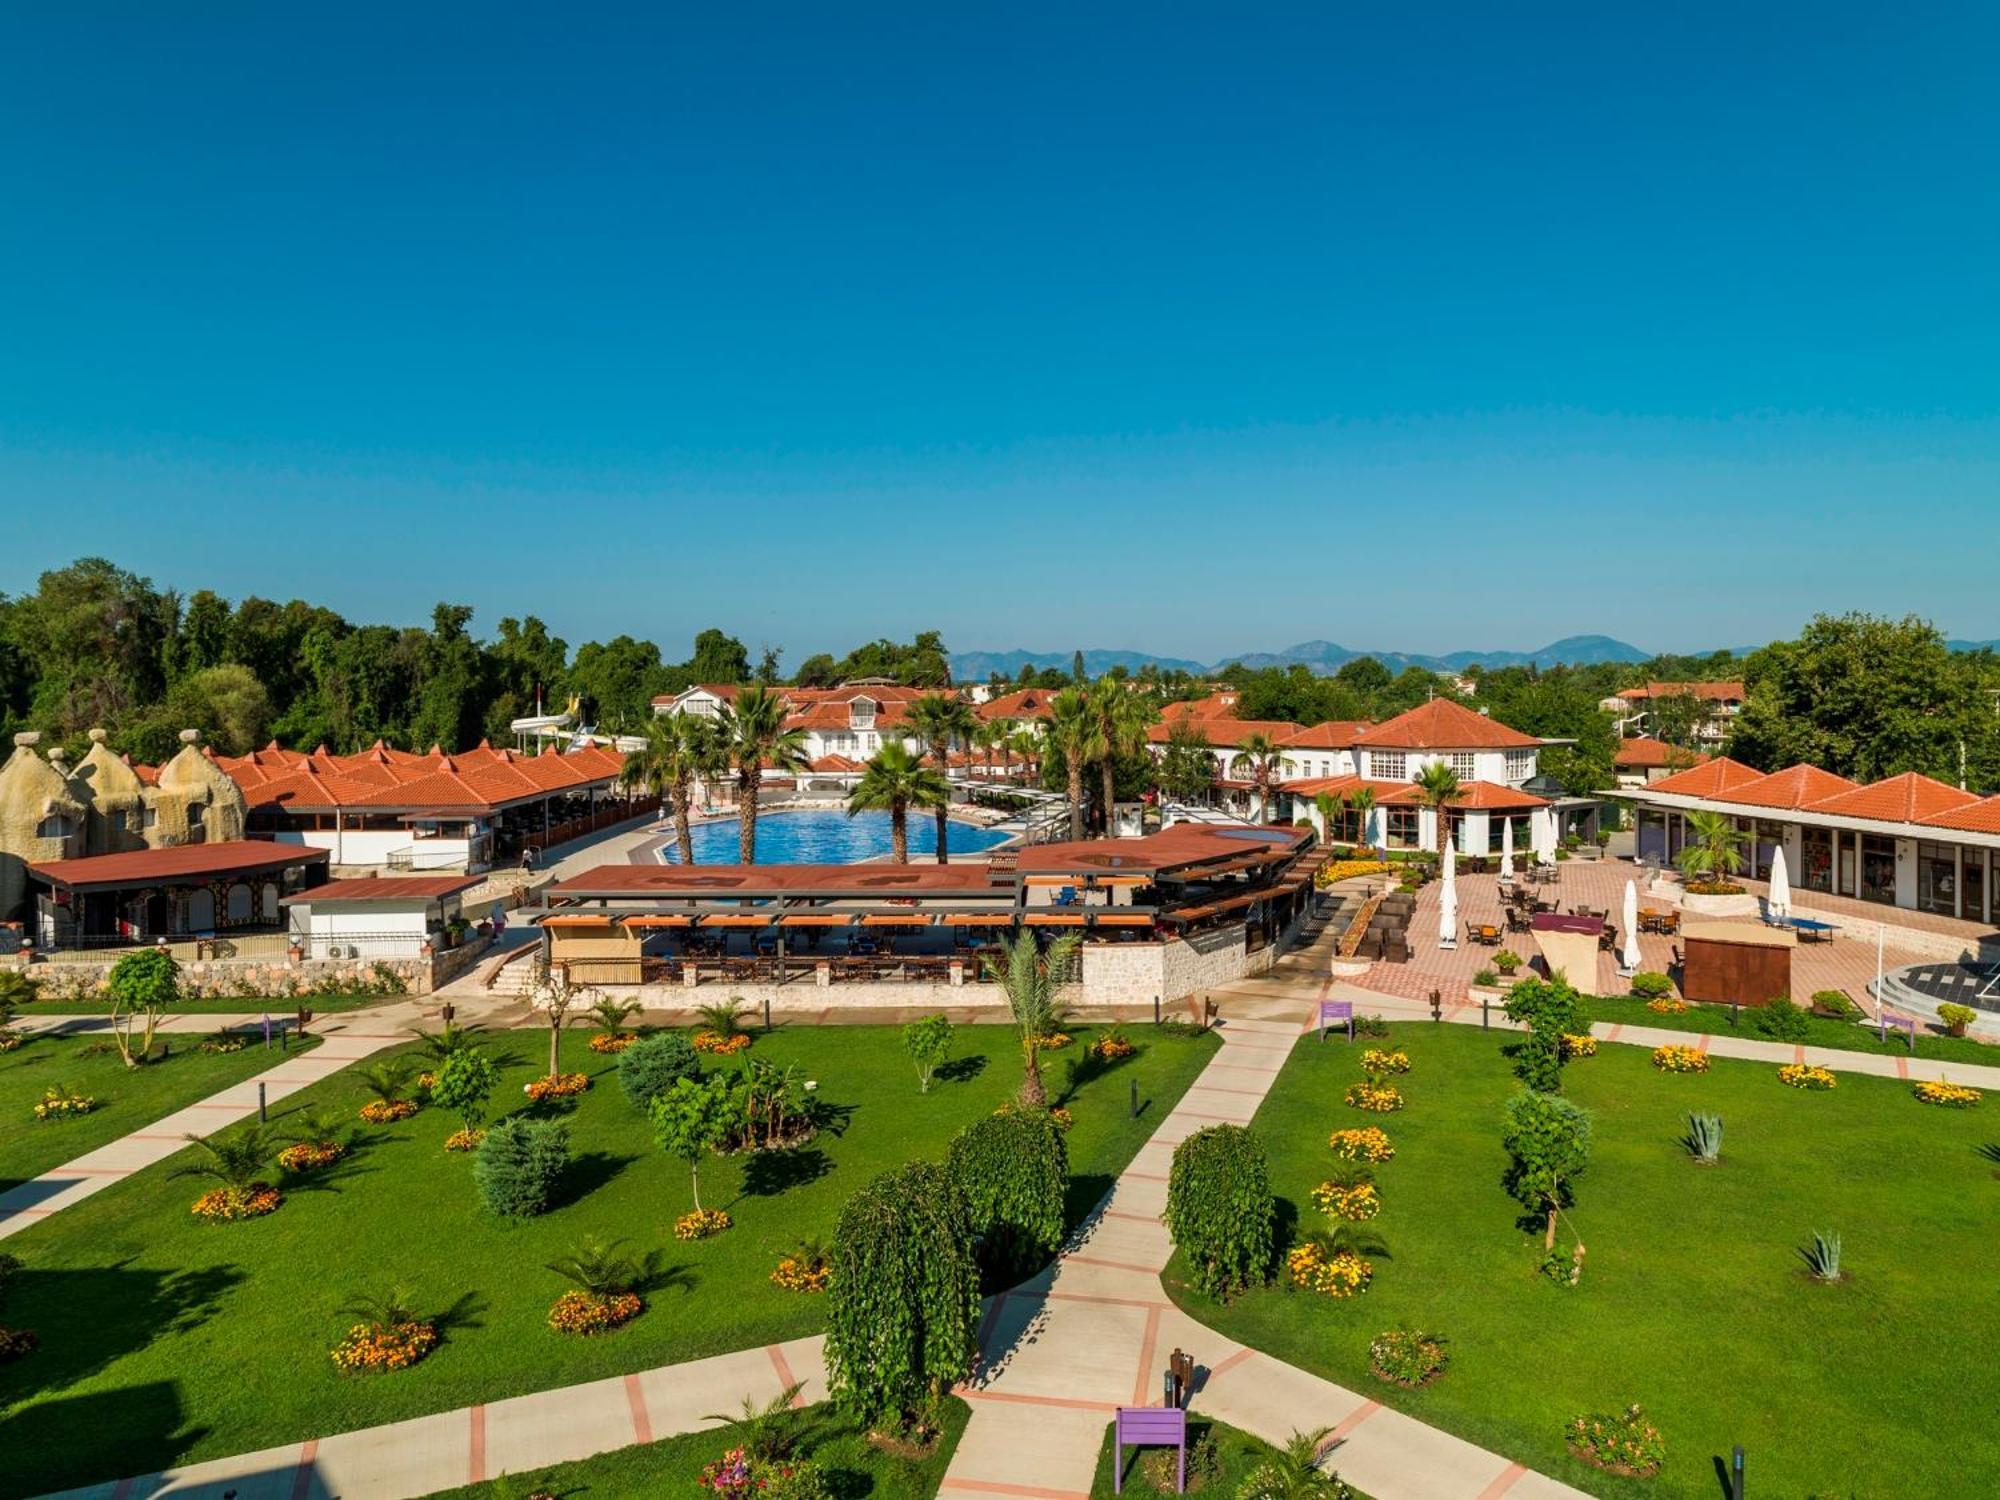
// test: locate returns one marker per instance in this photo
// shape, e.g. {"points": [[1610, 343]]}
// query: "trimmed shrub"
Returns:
{"points": [[903, 1301], [1781, 1020], [1013, 1170], [654, 1064], [519, 1165], [1648, 985], [1220, 1209]]}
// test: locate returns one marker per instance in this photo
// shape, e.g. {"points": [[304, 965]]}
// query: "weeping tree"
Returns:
{"points": [[1033, 983], [1014, 1171], [1220, 1211], [903, 1302]]}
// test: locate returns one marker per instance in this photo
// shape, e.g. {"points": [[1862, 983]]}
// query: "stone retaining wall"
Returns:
{"points": [[268, 978]]}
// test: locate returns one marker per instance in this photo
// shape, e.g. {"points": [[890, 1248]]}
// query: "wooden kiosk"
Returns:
{"points": [[1736, 963]]}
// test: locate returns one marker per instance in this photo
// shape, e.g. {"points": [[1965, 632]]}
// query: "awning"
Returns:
{"points": [[977, 919], [737, 919], [573, 920], [664, 919], [1123, 919], [1052, 880], [880, 919], [1192, 913], [816, 919], [1054, 919], [1124, 880]]}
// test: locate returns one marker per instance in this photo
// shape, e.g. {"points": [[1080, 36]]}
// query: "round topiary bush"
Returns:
{"points": [[519, 1166], [903, 1300], [654, 1064], [1220, 1209], [1013, 1170]]}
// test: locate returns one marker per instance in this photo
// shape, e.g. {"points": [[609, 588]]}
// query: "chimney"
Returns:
{"points": [[190, 736]]}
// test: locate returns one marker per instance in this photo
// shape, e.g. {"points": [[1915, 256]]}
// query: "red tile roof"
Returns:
{"points": [[1709, 779], [387, 888], [1909, 798], [182, 862], [1789, 789], [1715, 692], [1222, 734], [1028, 703], [1472, 796], [1332, 734], [1442, 724], [475, 781], [1981, 816], [1644, 754]]}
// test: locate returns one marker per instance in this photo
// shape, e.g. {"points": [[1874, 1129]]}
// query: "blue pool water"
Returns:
{"points": [[827, 838]]}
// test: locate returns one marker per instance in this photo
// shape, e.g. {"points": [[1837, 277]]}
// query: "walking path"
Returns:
{"points": [[344, 1039]]}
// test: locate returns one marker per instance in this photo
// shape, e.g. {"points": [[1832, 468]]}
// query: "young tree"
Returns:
{"points": [[464, 1081], [1550, 1009], [1187, 770], [903, 1303], [558, 996], [693, 1118], [1033, 983], [896, 781], [1548, 1139], [928, 1041], [142, 985]]}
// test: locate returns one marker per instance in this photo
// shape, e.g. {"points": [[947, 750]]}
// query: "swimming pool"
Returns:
{"points": [[826, 838]]}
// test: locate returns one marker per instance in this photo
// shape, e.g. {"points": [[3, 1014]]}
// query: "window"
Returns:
{"points": [[1816, 859], [1401, 828], [1520, 766], [1937, 879], [1387, 765], [54, 826], [1878, 869], [1464, 764], [195, 812]]}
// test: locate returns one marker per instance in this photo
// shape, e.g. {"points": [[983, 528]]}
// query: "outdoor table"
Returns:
{"points": [[1810, 931]]}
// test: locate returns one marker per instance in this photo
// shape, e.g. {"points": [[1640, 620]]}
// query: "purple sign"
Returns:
{"points": [[1150, 1426], [1336, 1010]]}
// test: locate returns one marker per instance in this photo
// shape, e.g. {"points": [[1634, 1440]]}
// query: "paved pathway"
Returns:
{"points": [[345, 1038]]}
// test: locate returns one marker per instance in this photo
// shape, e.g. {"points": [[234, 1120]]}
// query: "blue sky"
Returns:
{"points": [[1196, 330]]}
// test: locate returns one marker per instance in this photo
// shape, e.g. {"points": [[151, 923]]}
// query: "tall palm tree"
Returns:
{"points": [[942, 721], [1363, 803], [1026, 742], [754, 735], [680, 750], [1074, 730], [1440, 787], [1332, 808], [895, 781], [1033, 983], [1717, 848], [995, 737], [1123, 717], [1259, 755]]}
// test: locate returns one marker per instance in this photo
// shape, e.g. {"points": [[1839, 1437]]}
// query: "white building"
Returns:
{"points": [[401, 916]]}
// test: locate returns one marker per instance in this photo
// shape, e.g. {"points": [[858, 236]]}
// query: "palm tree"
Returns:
{"points": [[1123, 717], [1440, 787], [603, 1269], [680, 750], [941, 722], [1074, 730], [612, 1014], [449, 1038], [754, 734], [1293, 1472], [316, 1125], [1259, 755], [385, 1307], [895, 781], [236, 1161], [1027, 744], [390, 1080], [1033, 983], [1716, 851], [1332, 808], [996, 737], [1363, 803]]}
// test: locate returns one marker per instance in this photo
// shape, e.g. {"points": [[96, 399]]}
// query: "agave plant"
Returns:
{"points": [[603, 1269], [612, 1014], [1294, 1472], [723, 1017], [1822, 1256], [1704, 1138], [236, 1161], [389, 1080]]}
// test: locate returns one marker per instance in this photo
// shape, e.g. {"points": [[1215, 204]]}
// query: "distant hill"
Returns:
{"points": [[1324, 657]]}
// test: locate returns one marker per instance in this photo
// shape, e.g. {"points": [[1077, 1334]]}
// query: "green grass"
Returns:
{"points": [[1236, 1454], [1693, 1300], [1850, 1036], [855, 1467], [279, 1007], [213, 1339], [128, 1099]]}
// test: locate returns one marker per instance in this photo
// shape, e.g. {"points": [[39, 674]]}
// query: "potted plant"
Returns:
{"points": [[1507, 961], [1956, 1018]]}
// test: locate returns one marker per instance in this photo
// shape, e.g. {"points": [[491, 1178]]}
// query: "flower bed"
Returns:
{"points": [[1578, 1046], [1667, 1005], [382, 1112], [557, 1086], [1357, 1201], [1677, 1059], [1342, 1274], [222, 1045], [1626, 1444], [581, 1314], [1369, 1143], [1348, 869], [16, 1342], [1376, 1098], [58, 1105], [1406, 1358], [378, 1348], [464, 1140], [613, 1041], [718, 1044], [1806, 1076], [796, 1275], [700, 1224], [1112, 1047], [310, 1156], [226, 1205], [1950, 1095], [1375, 1060], [1055, 1041], [9, 1040]]}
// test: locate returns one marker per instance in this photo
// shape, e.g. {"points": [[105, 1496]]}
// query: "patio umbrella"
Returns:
{"points": [[1781, 884], [1629, 960], [1544, 838], [1506, 848], [1448, 903]]}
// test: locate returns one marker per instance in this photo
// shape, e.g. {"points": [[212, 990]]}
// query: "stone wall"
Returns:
{"points": [[267, 978]]}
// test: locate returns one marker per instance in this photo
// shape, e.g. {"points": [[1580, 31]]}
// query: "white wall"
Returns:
{"points": [[380, 929], [373, 846]]}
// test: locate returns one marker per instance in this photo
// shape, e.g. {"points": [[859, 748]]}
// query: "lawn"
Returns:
{"points": [[210, 1339], [1716, 1020], [128, 1099], [278, 1007], [1694, 1302], [855, 1467]]}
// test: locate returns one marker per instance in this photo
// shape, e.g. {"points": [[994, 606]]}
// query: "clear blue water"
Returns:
{"points": [[827, 838]]}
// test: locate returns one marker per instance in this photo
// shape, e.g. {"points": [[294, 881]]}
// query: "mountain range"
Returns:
{"points": [[1324, 657]]}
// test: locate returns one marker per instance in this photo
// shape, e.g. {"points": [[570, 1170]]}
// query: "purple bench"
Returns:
{"points": [[1336, 1010], [1903, 1024], [1149, 1427]]}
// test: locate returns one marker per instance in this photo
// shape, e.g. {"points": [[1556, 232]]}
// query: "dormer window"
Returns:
{"points": [[861, 713], [54, 826], [195, 811]]}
